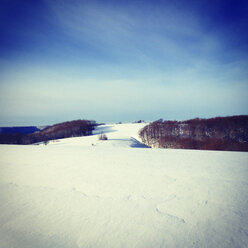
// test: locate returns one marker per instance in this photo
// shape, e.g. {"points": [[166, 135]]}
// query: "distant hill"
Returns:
{"points": [[20, 130], [58, 131], [220, 133]]}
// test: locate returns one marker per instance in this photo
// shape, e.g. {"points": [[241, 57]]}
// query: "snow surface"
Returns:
{"points": [[115, 193], [119, 135]]}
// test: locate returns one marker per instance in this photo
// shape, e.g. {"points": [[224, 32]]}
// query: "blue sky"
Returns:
{"points": [[122, 60]]}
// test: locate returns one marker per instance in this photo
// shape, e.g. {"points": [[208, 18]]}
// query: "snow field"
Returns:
{"points": [[119, 135], [72, 194]]}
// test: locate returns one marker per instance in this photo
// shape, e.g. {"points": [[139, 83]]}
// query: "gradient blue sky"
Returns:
{"points": [[113, 60]]}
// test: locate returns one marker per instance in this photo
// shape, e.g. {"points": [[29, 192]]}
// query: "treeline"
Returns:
{"points": [[58, 131], [220, 133]]}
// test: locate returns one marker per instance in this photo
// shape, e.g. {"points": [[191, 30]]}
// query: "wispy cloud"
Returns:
{"points": [[104, 58], [158, 34]]}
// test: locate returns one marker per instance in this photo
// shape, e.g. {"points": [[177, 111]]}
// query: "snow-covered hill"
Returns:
{"points": [[119, 135], [71, 193]]}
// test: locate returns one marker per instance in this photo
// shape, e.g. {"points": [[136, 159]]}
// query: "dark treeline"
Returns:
{"points": [[220, 133], [58, 131]]}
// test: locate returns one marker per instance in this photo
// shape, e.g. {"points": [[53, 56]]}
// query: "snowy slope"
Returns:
{"points": [[119, 135], [74, 194]]}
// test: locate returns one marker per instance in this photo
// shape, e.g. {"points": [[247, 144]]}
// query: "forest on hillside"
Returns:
{"points": [[219, 133], [68, 129]]}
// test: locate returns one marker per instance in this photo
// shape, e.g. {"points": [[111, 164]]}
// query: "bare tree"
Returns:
{"points": [[102, 136]]}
